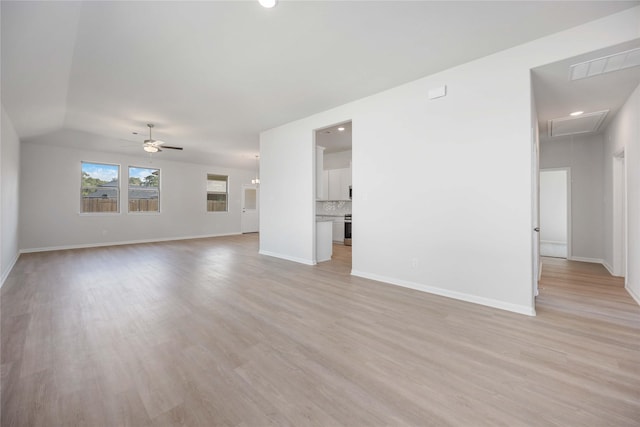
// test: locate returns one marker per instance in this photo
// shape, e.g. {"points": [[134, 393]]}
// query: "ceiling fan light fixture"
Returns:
{"points": [[154, 145], [268, 3]]}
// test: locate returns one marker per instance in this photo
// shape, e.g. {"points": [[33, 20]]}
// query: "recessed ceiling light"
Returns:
{"points": [[576, 113], [340, 129], [268, 3]]}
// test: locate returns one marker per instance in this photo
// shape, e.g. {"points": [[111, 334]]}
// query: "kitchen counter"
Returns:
{"points": [[324, 217]]}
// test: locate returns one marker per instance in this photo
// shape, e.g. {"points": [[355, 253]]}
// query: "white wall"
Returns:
{"points": [[456, 173], [583, 154], [10, 180], [50, 200], [287, 179], [553, 212], [624, 134]]}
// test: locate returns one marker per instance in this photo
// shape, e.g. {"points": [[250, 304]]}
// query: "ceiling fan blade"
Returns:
{"points": [[151, 144]]}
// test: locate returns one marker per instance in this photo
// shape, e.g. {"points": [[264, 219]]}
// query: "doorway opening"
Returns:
{"points": [[334, 193], [577, 122], [250, 214], [555, 213], [619, 215]]}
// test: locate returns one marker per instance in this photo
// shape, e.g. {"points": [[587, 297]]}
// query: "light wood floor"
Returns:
{"points": [[209, 333]]}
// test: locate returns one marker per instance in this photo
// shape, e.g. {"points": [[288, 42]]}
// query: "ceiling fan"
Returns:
{"points": [[153, 146]]}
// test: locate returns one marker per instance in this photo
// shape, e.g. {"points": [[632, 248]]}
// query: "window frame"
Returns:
{"points": [[130, 212], [207, 192], [117, 188]]}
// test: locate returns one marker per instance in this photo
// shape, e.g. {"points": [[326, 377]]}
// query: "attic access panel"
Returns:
{"points": [[585, 123]]}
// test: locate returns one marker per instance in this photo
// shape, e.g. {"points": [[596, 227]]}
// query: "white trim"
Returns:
{"points": [[119, 165], [143, 212], [554, 250], [520, 309], [608, 267], [5, 275], [620, 233], [243, 209], [287, 257], [126, 242], [604, 263], [160, 190], [585, 259], [539, 272], [553, 242], [633, 295], [90, 214]]}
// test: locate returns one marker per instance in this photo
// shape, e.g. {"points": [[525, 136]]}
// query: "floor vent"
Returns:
{"points": [[585, 123]]}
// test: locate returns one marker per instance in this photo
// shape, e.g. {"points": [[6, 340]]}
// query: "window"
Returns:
{"points": [[144, 189], [99, 188], [217, 193]]}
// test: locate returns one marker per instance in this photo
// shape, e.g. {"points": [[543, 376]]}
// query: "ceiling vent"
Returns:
{"points": [[585, 123], [606, 64]]}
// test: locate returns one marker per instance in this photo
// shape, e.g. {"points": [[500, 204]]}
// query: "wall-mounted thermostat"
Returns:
{"points": [[437, 92]]}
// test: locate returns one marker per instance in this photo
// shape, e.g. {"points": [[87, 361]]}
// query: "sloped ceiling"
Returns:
{"points": [[212, 75]]}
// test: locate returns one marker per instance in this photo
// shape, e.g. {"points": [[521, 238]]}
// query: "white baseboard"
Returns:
{"points": [[287, 257], [608, 267], [604, 263], [633, 294], [540, 264], [520, 309], [127, 242], [585, 259], [5, 274], [553, 249]]}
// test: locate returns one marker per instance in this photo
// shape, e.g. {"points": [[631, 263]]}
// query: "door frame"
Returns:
{"points": [[620, 217], [535, 211], [569, 232], [242, 208]]}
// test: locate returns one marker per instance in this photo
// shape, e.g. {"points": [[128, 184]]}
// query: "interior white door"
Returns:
{"points": [[535, 206], [250, 218], [619, 216], [554, 212]]}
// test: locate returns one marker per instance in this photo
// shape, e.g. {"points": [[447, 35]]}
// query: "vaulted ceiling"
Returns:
{"points": [[212, 75]]}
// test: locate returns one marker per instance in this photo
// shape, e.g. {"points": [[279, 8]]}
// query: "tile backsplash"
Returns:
{"points": [[333, 207]]}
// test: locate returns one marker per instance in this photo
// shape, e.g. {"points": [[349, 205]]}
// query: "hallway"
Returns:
{"points": [[586, 292]]}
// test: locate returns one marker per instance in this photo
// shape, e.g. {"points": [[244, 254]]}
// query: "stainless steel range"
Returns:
{"points": [[347, 230]]}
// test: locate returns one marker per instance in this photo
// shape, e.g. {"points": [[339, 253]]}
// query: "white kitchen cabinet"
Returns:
{"points": [[338, 231], [324, 248], [325, 185], [339, 182], [334, 184], [345, 182]]}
